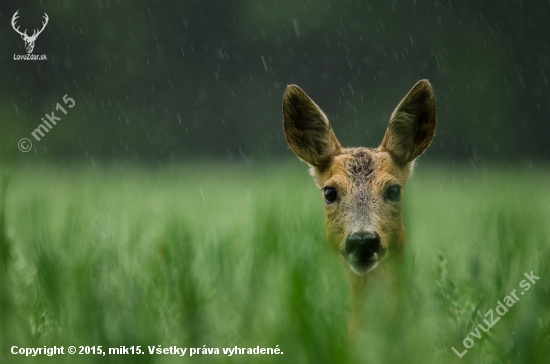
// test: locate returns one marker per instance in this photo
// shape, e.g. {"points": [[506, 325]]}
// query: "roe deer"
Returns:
{"points": [[363, 187]]}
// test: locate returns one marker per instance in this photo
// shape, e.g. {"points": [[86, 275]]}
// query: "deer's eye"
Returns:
{"points": [[330, 195], [394, 193]]}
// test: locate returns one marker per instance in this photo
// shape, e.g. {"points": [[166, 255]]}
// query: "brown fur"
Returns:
{"points": [[361, 177]]}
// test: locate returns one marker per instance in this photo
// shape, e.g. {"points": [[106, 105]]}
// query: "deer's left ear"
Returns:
{"points": [[412, 124]]}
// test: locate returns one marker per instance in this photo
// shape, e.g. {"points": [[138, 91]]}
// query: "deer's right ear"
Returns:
{"points": [[307, 129]]}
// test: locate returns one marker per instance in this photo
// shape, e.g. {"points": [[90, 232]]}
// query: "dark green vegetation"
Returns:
{"points": [[227, 255], [173, 79]]}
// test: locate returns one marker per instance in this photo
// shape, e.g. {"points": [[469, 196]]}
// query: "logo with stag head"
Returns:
{"points": [[29, 39]]}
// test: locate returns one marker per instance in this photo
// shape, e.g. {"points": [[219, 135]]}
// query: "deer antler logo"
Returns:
{"points": [[29, 40]]}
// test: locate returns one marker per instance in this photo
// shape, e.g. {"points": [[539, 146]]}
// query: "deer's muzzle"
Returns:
{"points": [[363, 251]]}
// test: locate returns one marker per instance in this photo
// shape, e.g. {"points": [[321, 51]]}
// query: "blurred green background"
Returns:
{"points": [[166, 209]]}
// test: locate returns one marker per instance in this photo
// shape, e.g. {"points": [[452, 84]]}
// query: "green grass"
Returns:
{"points": [[221, 255]]}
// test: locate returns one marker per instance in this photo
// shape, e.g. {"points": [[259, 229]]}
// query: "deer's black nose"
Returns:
{"points": [[363, 249]]}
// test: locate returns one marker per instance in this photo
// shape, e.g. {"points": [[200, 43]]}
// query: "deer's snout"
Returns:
{"points": [[363, 251]]}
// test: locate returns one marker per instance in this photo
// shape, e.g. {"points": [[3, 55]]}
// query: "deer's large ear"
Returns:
{"points": [[307, 129], [412, 124]]}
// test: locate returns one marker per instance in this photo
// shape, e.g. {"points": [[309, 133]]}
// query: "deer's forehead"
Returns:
{"points": [[362, 166]]}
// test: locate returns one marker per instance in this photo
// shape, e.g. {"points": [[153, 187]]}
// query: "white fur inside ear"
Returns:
{"points": [[315, 174]]}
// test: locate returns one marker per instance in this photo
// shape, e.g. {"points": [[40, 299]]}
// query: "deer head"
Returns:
{"points": [[362, 187], [29, 40]]}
